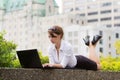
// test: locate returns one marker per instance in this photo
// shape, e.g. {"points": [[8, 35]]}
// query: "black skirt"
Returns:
{"points": [[85, 63]]}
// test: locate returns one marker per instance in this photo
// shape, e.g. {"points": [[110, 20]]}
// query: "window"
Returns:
{"points": [[82, 14], [71, 9], [105, 19], [101, 32], [76, 50], [77, 9], [92, 13], [108, 25], [75, 33], [106, 4], [82, 22], [109, 45], [109, 38], [117, 10], [70, 41], [77, 21], [75, 41], [117, 35], [92, 20], [71, 20], [117, 25], [109, 53], [69, 34], [106, 11], [101, 42], [117, 17], [101, 50]]}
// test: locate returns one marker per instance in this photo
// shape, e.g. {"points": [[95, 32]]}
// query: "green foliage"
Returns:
{"points": [[44, 59], [117, 46], [7, 49], [16, 63], [8, 54], [110, 64]]}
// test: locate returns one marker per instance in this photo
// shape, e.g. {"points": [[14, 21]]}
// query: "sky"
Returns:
{"points": [[59, 2]]}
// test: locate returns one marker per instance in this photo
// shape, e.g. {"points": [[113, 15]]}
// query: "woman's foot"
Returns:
{"points": [[96, 38], [86, 40]]}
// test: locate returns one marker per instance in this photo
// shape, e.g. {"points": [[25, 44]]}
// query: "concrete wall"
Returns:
{"points": [[56, 74]]}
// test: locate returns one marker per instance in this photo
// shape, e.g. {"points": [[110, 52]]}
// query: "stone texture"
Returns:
{"points": [[56, 74]]}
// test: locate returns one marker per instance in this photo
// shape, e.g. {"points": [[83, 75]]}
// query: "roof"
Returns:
{"points": [[10, 5]]}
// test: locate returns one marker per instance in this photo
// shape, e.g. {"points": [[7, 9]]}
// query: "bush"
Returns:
{"points": [[110, 64], [7, 49], [44, 59], [16, 63]]}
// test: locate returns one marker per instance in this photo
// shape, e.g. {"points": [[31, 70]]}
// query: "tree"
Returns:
{"points": [[7, 48], [117, 46]]}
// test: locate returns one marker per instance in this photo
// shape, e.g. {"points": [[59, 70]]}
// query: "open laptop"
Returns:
{"points": [[29, 58]]}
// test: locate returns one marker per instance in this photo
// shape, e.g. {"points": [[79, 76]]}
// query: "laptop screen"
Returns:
{"points": [[29, 58]]}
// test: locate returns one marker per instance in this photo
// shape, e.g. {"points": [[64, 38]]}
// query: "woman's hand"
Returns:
{"points": [[52, 65], [47, 65]]}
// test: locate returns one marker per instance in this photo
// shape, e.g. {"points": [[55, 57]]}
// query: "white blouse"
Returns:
{"points": [[66, 56]]}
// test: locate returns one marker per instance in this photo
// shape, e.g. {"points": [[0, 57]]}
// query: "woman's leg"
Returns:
{"points": [[93, 56]]}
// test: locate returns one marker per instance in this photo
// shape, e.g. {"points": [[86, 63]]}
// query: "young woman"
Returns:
{"points": [[61, 53]]}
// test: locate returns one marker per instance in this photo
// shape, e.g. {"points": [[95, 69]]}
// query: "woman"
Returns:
{"points": [[61, 54]]}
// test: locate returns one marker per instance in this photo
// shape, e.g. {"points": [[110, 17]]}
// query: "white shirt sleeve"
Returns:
{"points": [[51, 58], [65, 61], [69, 58]]}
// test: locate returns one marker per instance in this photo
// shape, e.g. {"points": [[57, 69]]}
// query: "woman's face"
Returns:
{"points": [[54, 38]]}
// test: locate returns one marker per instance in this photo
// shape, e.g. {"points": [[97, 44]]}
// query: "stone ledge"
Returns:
{"points": [[56, 74]]}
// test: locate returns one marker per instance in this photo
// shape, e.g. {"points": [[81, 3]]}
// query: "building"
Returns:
{"points": [[95, 12], [27, 21], [22, 21], [75, 34], [102, 13]]}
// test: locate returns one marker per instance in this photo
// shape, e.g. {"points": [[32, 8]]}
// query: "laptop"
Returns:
{"points": [[29, 58]]}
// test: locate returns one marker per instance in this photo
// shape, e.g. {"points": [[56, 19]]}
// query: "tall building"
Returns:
{"points": [[102, 13], [95, 12]]}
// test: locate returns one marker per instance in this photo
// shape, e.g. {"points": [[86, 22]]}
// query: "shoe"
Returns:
{"points": [[96, 38], [86, 40]]}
